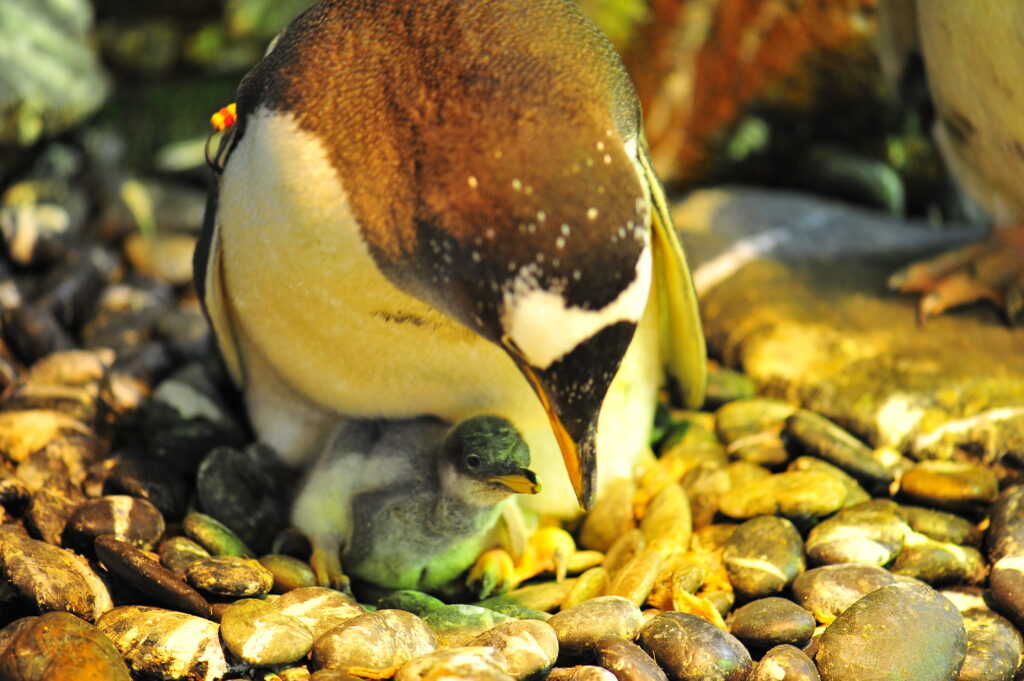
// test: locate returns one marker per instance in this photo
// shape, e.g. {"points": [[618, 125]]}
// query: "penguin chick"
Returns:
{"points": [[410, 504], [447, 209]]}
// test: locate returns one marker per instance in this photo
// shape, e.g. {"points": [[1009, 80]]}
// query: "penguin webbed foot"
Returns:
{"points": [[991, 270], [492, 574]]}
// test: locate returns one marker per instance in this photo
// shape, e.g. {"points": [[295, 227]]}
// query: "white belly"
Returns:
{"points": [[305, 292]]}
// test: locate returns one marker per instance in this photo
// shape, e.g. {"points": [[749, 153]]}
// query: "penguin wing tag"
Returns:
{"points": [[687, 356]]}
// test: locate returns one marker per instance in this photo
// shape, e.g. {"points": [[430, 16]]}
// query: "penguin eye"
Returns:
{"points": [[472, 461]]}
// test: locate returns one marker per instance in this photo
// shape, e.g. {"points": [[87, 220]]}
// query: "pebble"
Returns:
{"points": [[259, 634], [950, 485], [215, 536], [581, 673], [1005, 536], [456, 664], [727, 385], [904, 630], [611, 516], [623, 550], [937, 562], [289, 573], [689, 648], [1006, 582], [769, 622], [177, 553], [855, 494], [827, 591], [764, 449], [668, 517], [529, 647], [994, 646], [743, 418], [410, 600], [871, 533], [763, 556], [375, 643], [941, 526], [51, 578], [785, 663], [580, 627], [818, 436], [627, 660], [790, 494], [319, 608], [48, 512], [243, 489], [129, 519], [149, 577], [543, 596], [151, 480], [165, 644], [456, 625], [58, 646], [230, 576], [636, 578], [591, 584]]}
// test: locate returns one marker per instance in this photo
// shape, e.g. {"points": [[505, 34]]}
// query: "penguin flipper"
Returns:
{"points": [[208, 273], [684, 344]]}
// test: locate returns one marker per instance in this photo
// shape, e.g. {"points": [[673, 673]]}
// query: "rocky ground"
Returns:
{"points": [[847, 505]]}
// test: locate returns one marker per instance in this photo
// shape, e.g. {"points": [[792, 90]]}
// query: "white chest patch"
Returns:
{"points": [[545, 328]]}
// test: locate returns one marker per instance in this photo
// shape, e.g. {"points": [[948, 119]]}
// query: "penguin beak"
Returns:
{"points": [[572, 391], [524, 482]]}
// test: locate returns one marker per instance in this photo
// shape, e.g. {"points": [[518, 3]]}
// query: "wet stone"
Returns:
{"points": [[627, 660], [58, 646], [727, 385], [149, 577], [151, 480], [456, 664], [215, 536], [768, 622], [374, 642], [456, 625], [528, 646], [243, 489], [855, 494], [690, 648], [410, 600], [520, 612], [785, 663], [177, 553], [48, 513], [624, 550], [791, 494], [165, 644], [1006, 582], [14, 494], [941, 526], [51, 578], [1005, 535], [611, 516], [817, 436], [898, 631], [668, 517], [635, 579], [763, 556], [764, 449], [591, 584], [259, 634], [938, 562], [871, 533], [230, 576], [11, 631], [581, 673], [581, 626], [129, 519], [743, 418], [544, 596], [318, 608], [827, 591], [950, 485], [994, 646], [289, 573]]}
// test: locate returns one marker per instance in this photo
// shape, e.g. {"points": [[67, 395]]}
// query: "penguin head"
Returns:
{"points": [[489, 459]]}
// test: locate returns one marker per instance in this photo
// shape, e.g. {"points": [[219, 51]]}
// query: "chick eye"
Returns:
{"points": [[472, 461]]}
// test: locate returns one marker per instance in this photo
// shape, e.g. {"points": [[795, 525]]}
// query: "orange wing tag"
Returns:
{"points": [[225, 118]]}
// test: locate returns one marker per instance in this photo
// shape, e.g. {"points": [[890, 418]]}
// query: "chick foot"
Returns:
{"points": [[991, 270], [492, 574], [327, 568]]}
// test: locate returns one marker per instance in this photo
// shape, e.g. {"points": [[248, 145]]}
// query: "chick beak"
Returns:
{"points": [[571, 393], [524, 482]]}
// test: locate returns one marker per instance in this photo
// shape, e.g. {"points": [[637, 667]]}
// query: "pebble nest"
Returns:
{"points": [[144, 534]]}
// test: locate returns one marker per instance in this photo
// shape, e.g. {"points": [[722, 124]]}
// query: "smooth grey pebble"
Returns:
{"points": [[829, 590], [627, 660], [132, 520], [375, 641], [785, 663], [578, 628], [690, 648], [528, 646], [871, 533], [230, 576], [259, 634], [763, 556], [769, 622]]}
